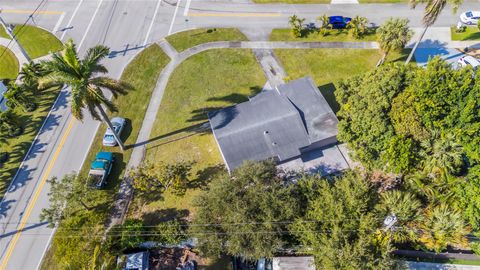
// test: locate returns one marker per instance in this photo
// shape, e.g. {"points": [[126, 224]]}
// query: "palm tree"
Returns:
{"points": [[441, 226], [16, 97], [324, 24], [405, 206], [393, 35], [433, 8], [358, 26], [30, 74], [442, 155], [8, 124], [81, 75], [297, 25]]}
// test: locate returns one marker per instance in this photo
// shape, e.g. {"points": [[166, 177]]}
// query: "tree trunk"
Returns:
{"points": [[382, 60], [416, 45], [84, 205], [109, 124]]}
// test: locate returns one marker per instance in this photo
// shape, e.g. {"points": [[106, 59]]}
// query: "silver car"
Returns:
{"points": [[118, 124]]}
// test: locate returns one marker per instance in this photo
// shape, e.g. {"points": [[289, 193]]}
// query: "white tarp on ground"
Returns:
{"points": [[293, 263]]}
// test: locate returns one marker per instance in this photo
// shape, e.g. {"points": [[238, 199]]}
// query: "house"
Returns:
{"points": [[137, 261], [286, 124]]}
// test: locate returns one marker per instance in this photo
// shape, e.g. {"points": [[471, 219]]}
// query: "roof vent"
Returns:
{"points": [[265, 132], [274, 143]]}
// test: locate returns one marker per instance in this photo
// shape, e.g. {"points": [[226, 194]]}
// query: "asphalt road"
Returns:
{"points": [[126, 26]]}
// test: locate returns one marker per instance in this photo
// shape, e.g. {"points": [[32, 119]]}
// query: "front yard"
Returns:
{"points": [[471, 33]]}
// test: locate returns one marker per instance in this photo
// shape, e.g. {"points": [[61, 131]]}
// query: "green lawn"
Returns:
{"points": [[142, 74], [284, 34], [328, 66], [3, 33], [8, 64], [186, 39], [204, 82], [36, 41], [471, 33]]}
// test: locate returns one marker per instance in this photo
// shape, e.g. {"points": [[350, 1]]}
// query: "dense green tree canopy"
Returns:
{"points": [[244, 214]]}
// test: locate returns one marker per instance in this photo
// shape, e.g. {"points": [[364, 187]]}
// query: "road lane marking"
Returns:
{"points": [[153, 21], [38, 190], [21, 11], [174, 16], [187, 7], [233, 14], [57, 25], [89, 25], [71, 19]]}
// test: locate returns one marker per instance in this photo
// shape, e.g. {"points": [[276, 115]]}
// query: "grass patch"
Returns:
{"points": [[18, 147], [9, 64], [3, 32], [187, 39], [207, 81], [36, 41], [284, 34], [471, 33], [142, 74], [328, 66]]}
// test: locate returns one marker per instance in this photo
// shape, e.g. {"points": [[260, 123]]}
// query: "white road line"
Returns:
{"points": [[187, 7], [151, 24], [71, 19], [89, 25], [60, 20], [174, 16]]}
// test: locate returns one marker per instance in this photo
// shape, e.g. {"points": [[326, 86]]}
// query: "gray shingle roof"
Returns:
{"points": [[273, 124]]}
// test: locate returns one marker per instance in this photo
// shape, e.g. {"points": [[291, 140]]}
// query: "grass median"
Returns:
{"points": [[187, 39], [37, 42], [76, 252], [9, 64]]}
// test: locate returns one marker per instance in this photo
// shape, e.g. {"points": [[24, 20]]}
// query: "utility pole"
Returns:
{"points": [[9, 30]]}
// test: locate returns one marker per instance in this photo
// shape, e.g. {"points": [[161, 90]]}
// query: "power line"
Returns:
{"points": [[21, 27]]}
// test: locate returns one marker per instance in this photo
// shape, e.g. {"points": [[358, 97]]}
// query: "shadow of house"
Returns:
{"points": [[281, 124]]}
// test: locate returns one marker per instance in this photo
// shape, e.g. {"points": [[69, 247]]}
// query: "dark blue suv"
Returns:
{"points": [[339, 22]]}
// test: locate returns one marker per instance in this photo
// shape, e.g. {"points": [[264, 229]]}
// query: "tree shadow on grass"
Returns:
{"points": [[328, 92], [163, 215], [206, 175]]}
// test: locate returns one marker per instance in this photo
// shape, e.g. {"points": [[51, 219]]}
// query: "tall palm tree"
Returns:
{"points": [[393, 35], [82, 76], [433, 8]]}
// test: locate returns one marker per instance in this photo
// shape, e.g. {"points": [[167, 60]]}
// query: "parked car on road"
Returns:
{"points": [[469, 60], [100, 169], [338, 22], [470, 17], [118, 124]]}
